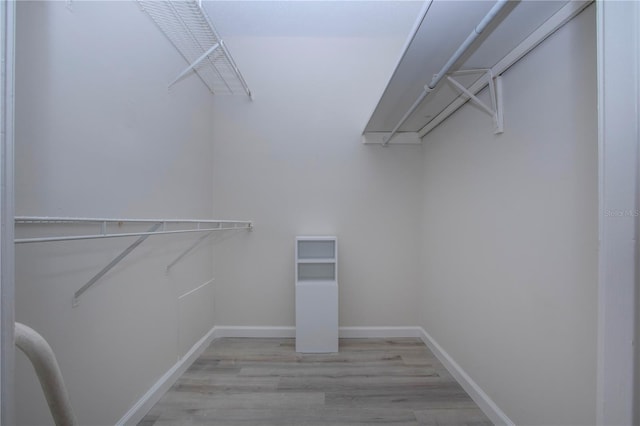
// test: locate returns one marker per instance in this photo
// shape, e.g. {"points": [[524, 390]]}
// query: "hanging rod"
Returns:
{"points": [[194, 225], [475, 33]]}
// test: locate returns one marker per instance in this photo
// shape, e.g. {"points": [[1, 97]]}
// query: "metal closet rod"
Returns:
{"points": [[475, 33], [199, 226]]}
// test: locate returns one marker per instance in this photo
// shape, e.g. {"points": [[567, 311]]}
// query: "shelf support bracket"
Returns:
{"points": [[113, 263], [195, 63], [190, 248], [495, 92]]}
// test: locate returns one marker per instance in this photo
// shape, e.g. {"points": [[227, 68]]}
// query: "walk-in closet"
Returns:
{"points": [[286, 212]]}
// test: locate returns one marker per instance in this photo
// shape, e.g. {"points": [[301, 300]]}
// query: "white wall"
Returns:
{"points": [[292, 161], [99, 134], [618, 38], [510, 236], [497, 235], [7, 62]]}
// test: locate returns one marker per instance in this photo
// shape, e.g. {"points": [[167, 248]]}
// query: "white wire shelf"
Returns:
{"points": [[189, 29], [84, 230], [106, 227]]}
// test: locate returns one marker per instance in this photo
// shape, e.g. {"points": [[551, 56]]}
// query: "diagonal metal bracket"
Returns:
{"points": [[201, 239], [195, 63], [495, 92], [113, 263], [189, 249]]}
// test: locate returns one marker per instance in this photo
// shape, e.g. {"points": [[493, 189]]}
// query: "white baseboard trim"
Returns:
{"points": [[344, 332], [250, 331], [159, 388], [486, 404], [153, 395], [378, 332]]}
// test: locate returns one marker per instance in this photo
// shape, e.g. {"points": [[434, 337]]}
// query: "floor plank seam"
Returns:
{"points": [[244, 381]]}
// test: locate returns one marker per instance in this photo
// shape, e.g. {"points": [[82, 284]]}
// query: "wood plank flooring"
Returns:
{"points": [[264, 382]]}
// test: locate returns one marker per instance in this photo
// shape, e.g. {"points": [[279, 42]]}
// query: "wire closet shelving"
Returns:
{"points": [[189, 29], [75, 228], [106, 227]]}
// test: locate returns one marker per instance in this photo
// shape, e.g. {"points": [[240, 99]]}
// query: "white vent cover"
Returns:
{"points": [[189, 29]]}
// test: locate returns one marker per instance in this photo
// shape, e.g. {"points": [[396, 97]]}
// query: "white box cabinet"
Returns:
{"points": [[316, 294]]}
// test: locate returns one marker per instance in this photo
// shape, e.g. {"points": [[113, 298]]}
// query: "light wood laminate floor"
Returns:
{"points": [[264, 382]]}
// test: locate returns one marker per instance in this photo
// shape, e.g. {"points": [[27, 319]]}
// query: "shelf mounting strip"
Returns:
{"points": [[189, 29], [158, 227]]}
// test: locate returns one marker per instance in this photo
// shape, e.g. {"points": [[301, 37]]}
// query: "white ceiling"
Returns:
{"points": [[269, 18], [445, 26]]}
